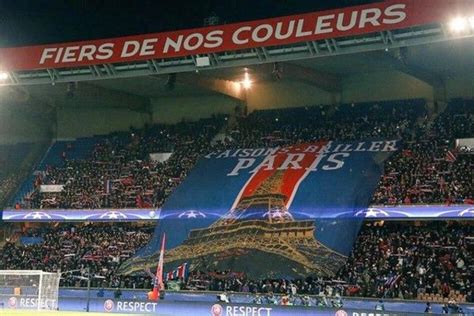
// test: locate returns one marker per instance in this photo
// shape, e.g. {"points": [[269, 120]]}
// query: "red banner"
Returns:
{"points": [[286, 30]]}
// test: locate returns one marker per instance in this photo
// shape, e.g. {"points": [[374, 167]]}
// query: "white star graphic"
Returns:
{"points": [[192, 214], [371, 213], [37, 215]]}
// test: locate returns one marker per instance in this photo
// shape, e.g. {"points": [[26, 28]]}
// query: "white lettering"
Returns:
{"points": [[348, 147], [395, 13], [322, 25], [279, 26], [267, 164], [46, 54], [293, 160], [87, 51], [315, 163], [147, 47], [58, 56], [340, 21], [299, 29], [246, 153], [214, 39], [195, 37], [333, 159], [70, 54], [105, 49], [176, 45], [242, 164], [268, 31], [375, 146], [135, 45], [235, 36], [224, 154], [360, 147], [370, 16]]}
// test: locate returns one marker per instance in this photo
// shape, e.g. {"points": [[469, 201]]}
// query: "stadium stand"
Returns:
{"points": [[383, 263], [74, 248], [428, 261], [116, 172], [16, 161], [119, 163]]}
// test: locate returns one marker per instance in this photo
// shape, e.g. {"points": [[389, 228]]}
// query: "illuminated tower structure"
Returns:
{"points": [[258, 231]]}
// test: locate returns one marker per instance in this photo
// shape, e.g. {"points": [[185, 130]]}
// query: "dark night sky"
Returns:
{"points": [[30, 22]]}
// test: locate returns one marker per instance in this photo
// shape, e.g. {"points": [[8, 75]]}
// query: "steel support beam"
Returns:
{"points": [[400, 62]]}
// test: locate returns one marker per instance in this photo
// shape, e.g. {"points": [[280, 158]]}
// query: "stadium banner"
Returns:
{"points": [[245, 210], [465, 145], [373, 212], [98, 215], [160, 157], [349, 21], [51, 188], [26, 241]]}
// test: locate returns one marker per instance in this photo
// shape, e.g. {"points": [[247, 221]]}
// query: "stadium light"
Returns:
{"points": [[246, 82], [458, 25], [3, 76]]}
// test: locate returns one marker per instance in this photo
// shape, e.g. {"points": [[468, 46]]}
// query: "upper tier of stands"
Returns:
{"points": [[115, 171], [15, 161]]}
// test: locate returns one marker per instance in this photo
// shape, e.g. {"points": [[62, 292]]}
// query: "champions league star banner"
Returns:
{"points": [[269, 212], [133, 215], [97, 215]]}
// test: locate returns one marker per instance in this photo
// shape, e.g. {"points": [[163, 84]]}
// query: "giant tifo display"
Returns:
{"points": [[311, 164], [248, 209]]}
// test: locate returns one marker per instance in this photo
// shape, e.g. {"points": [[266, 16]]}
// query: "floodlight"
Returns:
{"points": [[458, 25], [246, 82]]}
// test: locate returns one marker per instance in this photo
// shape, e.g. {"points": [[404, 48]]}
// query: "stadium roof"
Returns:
{"points": [[422, 62]]}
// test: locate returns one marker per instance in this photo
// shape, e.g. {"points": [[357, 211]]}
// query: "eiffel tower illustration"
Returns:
{"points": [[258, 231]]}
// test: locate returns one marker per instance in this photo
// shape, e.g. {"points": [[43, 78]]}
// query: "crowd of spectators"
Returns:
{"points": [[422, 173], [77, 250], [119, 172], [390, 261], [403, 260]]}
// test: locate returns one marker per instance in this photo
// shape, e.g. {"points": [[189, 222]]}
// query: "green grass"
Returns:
{"points": [[34, 312]]}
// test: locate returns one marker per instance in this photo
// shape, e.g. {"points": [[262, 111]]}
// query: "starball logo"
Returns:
{"points": [[216, 310], [12, 302], [109, 305]]}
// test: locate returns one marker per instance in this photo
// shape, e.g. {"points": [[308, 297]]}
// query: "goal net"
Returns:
{"points": [[29, 289]]}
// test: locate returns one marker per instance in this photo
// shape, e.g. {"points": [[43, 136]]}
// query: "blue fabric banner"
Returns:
{"points": [[269, 212]]}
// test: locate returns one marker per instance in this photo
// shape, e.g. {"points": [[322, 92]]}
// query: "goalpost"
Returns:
{"points": [[29, 289]]}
